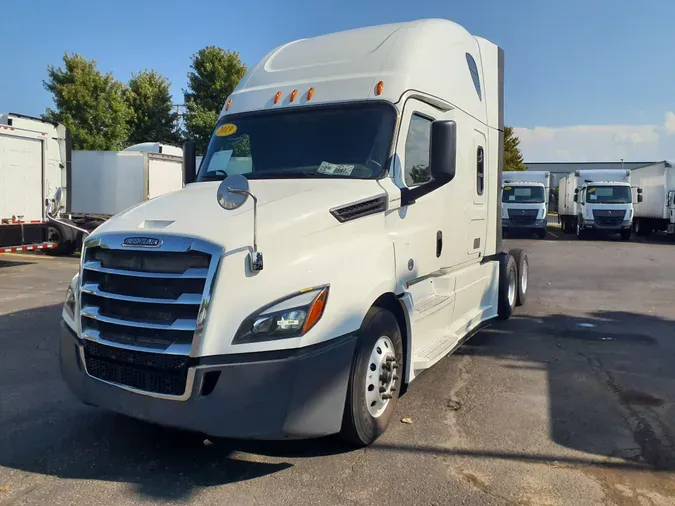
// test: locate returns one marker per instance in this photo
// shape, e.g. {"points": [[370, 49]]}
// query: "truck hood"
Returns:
{"points": [[287, 209]]}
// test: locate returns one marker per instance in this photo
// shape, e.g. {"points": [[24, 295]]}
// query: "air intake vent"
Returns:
{"points": [[360, 209]]}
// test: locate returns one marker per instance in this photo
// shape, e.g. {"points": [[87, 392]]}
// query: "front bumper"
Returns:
{"points": [[271, 395], [536, 224], [594, 225]]}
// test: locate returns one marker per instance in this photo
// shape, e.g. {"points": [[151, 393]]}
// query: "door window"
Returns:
{"points": [[417, 169]]}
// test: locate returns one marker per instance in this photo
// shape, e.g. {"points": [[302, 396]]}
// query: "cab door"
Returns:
{"points": [[420, 236]]}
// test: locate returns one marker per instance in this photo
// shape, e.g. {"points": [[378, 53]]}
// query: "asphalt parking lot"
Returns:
{"points": [[571, 402]]}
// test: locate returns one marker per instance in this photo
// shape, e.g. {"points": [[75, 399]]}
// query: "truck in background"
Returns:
{"points": [[596, 200], [36, 158], [34, 155], [366, 165], [525, 201], [656, 211]]}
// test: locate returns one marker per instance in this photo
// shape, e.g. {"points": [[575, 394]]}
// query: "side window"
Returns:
{"points": [[480, 171], [417, 151], [473, 69]]}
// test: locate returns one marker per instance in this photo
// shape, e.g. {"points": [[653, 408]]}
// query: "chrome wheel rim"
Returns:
{"points": [[512, 290], [523, 278], [381, 376]]}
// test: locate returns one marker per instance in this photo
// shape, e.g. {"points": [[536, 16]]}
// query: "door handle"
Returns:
{"points": [[439, 243]]}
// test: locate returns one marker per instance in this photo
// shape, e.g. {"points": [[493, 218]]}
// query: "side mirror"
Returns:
{"points": [[54, 204], [443, 150], [576, 197], [640, 197], [189, 162]]}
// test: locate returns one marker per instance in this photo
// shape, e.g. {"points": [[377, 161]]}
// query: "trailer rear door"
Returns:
{"points": [[20, 178]]}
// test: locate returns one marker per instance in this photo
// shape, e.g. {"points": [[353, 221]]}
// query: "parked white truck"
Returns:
{"points": [[33, 155], [656, 212], [36, 158], [525, 201], [365, 166], [599, 200]]}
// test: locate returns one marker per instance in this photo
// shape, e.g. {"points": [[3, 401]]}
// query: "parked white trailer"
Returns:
{"points": [[105, 183], [598, 200], [525, 201], [656, 212], [366, 165], [32, 154]]}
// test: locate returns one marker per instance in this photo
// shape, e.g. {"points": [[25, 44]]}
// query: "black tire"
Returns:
{"points": [[64, 239], [523, 269], [541, 233], [641, 229], [359, 426], [625, 234], [566, 225], [508, 276], [581, 233]]}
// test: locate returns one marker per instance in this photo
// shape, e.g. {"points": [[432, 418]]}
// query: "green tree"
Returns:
{"points": [[90, 104], [152, 117], [513, 158], [214, 75]]}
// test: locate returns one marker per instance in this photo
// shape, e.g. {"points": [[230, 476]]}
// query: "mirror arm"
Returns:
{"points": [[255, 258], [410, 195]]}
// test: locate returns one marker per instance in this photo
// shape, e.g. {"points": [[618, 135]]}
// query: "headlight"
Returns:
{"points": [[292, 316], [71, 296]]}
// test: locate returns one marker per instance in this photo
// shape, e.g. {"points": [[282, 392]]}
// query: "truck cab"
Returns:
{"points": [[341, 235], [605, 206], [525, 201]]}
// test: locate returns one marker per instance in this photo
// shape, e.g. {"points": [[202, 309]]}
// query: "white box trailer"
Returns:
{"points": [[32, 154], [596, 200], [525, 197], [656, 212], [105, 183]]}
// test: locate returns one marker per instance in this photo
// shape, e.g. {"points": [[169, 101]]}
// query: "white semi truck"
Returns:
{"points": [[656, 212], [363, 167], [525, 201], [36, 159], [596, 200]]}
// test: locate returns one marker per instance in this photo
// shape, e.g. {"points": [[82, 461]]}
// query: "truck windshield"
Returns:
{"points": [[608, 195], [523, 194], [350, 141]]}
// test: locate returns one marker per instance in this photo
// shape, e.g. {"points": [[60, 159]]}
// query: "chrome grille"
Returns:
{"points": [[138, 303]]}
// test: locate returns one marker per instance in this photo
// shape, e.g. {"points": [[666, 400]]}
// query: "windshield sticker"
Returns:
{"points": [[219, 160], [591, 190], [512, 197], [226, 129], [508, 188], [593, 197], [335, 169]]}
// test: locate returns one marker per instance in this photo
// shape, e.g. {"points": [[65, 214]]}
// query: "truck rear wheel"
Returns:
{"points": [[508, 287], [523, 270], [63, 238], [641, 229], [375, 379]]}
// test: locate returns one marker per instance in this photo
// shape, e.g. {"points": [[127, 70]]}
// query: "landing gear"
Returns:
{"points": [[375, 380]]}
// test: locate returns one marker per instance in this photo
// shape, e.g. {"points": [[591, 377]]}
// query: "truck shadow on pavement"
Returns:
{"points": [[608, 375]]}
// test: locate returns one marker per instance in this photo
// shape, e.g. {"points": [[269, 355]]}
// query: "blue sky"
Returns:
{"points": [[568, 63]]}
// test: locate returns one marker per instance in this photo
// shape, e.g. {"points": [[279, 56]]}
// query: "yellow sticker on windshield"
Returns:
{"points": [[226, 129], [508, 188], [591, 190]]}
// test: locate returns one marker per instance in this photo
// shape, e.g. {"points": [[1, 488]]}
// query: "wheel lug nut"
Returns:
{"points": [[395, 376], [382, 390], [386, 396]]}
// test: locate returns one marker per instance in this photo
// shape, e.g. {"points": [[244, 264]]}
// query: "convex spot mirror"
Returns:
{"points": [[233, 192]]}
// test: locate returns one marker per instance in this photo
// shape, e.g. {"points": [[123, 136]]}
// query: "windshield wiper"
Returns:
{"points": [[214, 175], [290, 174]]}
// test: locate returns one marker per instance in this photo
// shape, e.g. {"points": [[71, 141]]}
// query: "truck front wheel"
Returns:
{"points": [[625, 234], [63, 238], [375, 379]]}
